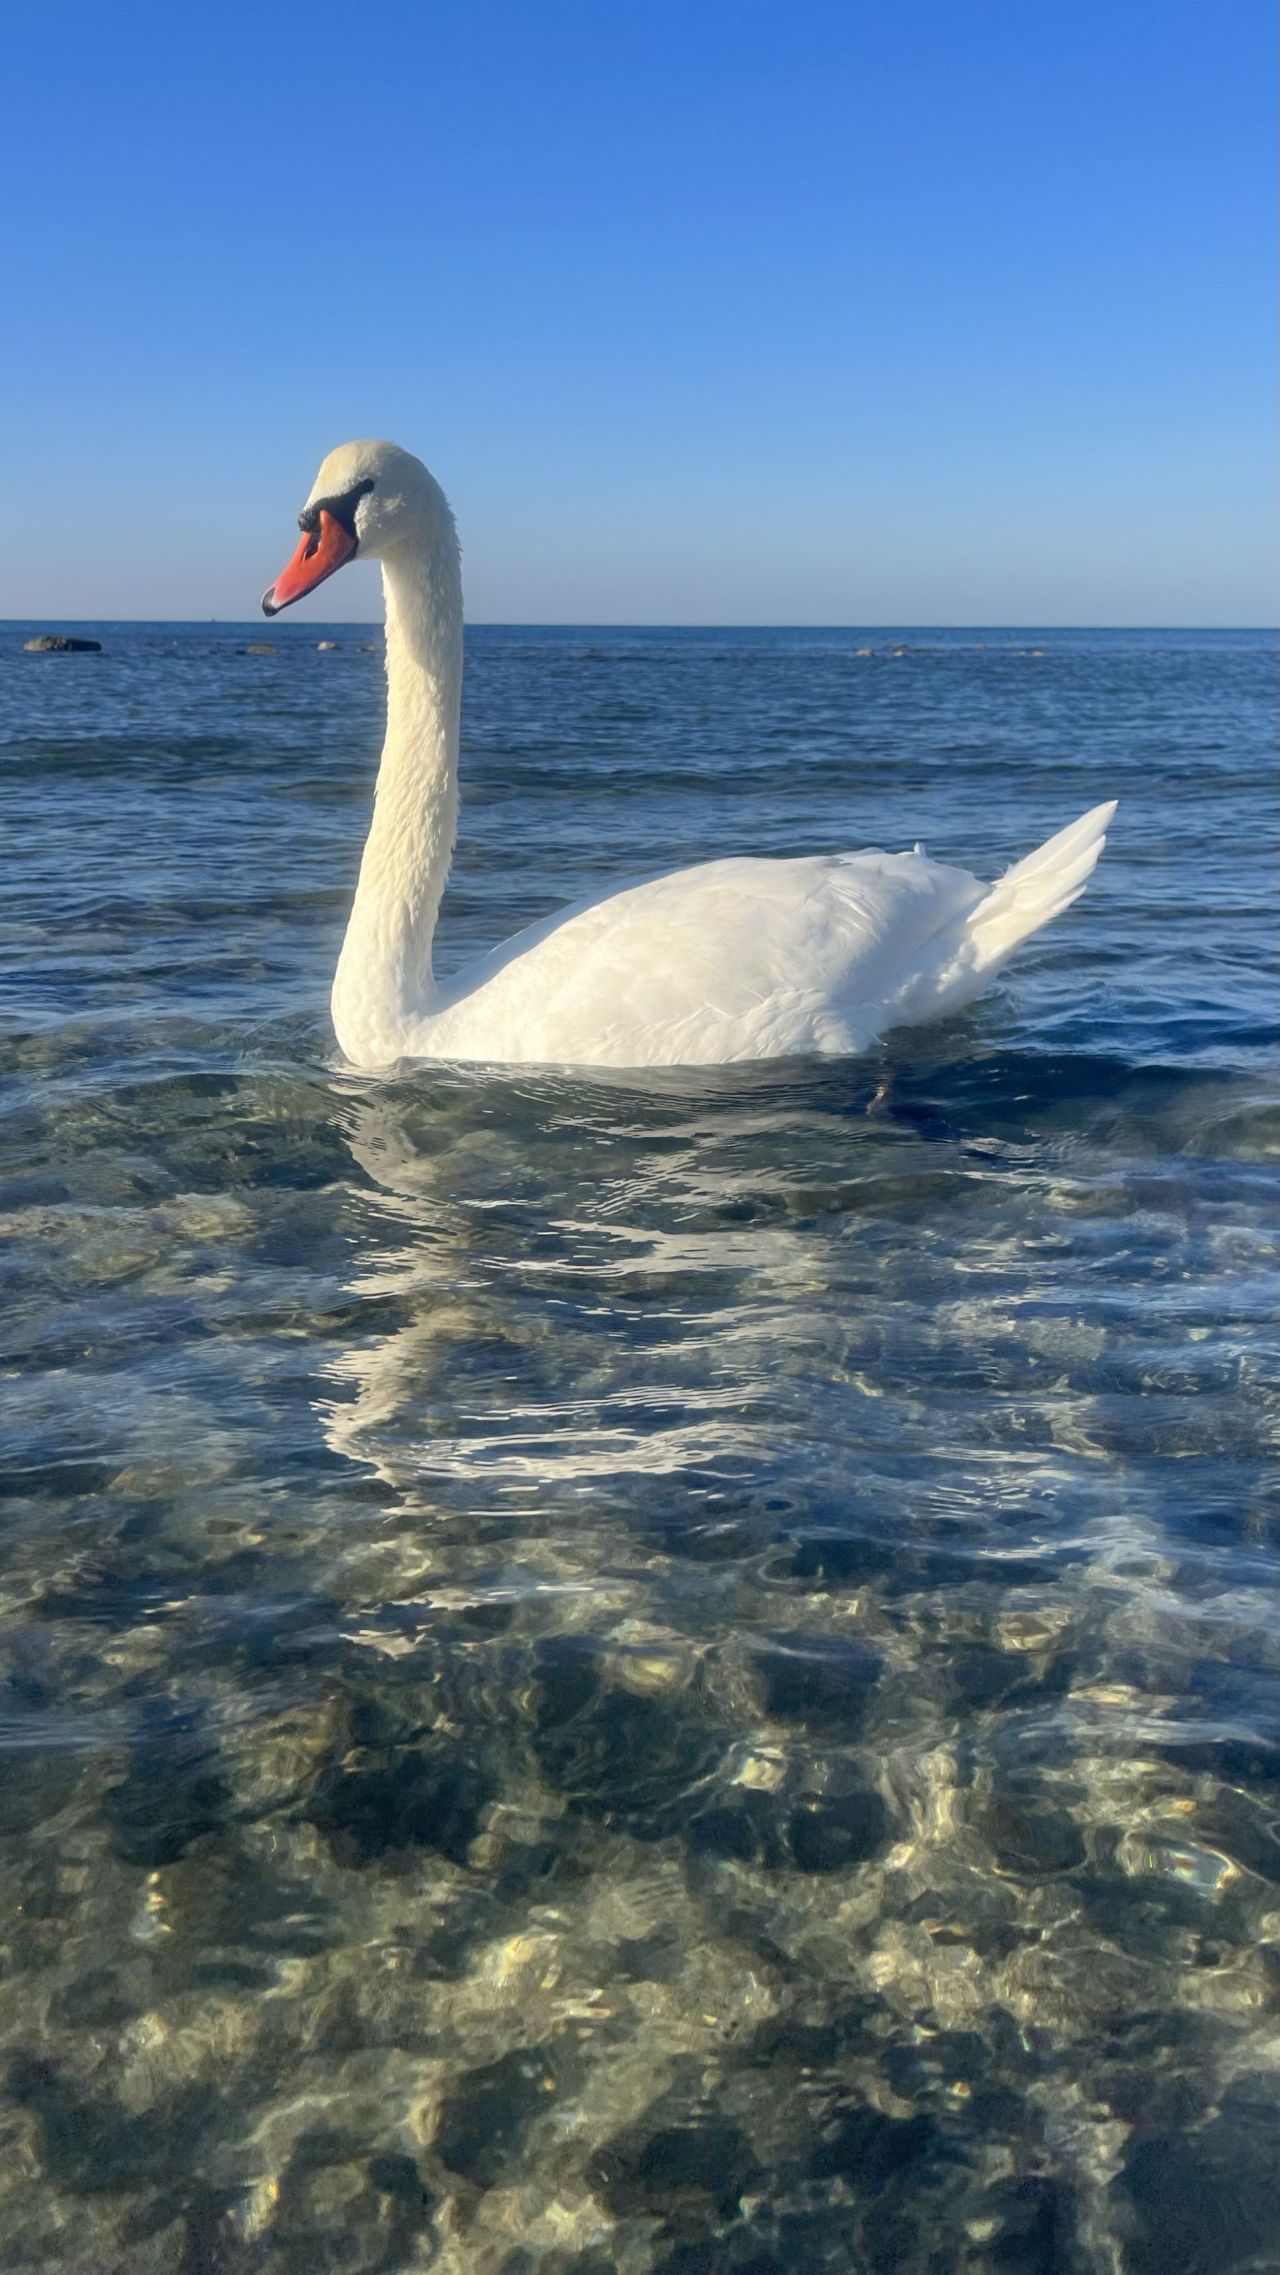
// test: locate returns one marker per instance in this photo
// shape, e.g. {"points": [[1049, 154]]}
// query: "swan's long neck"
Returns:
{"points": [[383, 983]]}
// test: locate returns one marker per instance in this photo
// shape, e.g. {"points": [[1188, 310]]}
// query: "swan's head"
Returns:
{"points": [[370, 498]]}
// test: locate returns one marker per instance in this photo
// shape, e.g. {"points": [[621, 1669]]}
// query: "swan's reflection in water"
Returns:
{"points": [[771, 1671]]}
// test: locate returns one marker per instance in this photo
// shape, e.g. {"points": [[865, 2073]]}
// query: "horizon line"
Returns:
{"points": [[650, 624]]}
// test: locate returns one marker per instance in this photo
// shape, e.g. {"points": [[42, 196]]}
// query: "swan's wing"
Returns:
{"points": [[743, 959], [734, 959]]}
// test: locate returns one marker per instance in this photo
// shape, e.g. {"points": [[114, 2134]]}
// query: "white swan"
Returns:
{"points": [[738, 958]]}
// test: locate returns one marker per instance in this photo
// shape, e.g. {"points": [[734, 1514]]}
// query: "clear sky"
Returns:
{"points": [[736, 311]]}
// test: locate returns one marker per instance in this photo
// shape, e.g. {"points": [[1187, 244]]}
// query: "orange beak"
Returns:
{"points": [[321, 551]]}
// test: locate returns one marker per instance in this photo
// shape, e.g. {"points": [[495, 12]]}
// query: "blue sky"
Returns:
{"points": [[712, 311]]}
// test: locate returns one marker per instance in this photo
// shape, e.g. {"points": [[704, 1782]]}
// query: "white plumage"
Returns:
{"points": [[735, 959], [750, 959]]}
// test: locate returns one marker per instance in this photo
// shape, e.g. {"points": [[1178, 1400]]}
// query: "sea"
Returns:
{"points": [[639, 1675]]}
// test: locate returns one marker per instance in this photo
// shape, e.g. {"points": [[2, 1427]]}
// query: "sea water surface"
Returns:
{"points": [[658, 1676]]}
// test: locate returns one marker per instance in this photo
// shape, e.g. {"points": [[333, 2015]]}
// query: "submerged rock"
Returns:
{"points": [[704, 2161], [61, 644], [483, 2121], [821, 1681], [614, 1752], [831, 1831], [386, 1802]]}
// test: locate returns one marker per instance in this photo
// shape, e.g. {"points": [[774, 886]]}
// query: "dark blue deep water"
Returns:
{"points": [[640, 1677]]}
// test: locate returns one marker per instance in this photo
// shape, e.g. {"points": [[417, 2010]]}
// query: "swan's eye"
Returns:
{"points": [[342, 509]]}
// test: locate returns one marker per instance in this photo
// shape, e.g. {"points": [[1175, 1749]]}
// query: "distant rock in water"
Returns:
{"points": [[61, 644], [328, 643]]}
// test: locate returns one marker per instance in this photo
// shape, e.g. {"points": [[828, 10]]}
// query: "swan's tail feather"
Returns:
{"points": [[1039, 888]]}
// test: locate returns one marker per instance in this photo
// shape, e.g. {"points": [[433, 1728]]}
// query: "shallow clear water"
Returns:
{"points": [[657, 1675]]}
